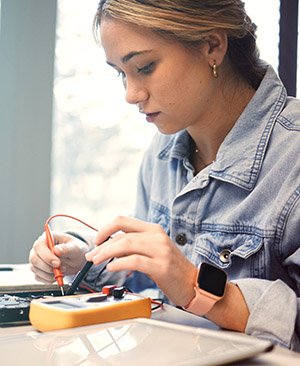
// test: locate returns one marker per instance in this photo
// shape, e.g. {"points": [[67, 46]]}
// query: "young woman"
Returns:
{"points": [[220, 183]]}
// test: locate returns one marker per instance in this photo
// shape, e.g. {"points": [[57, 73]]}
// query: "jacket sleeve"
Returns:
{"points": [[274, 304], [274, 311]]}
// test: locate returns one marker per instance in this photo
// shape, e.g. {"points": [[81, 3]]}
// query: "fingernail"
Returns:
{"points": [[98, 258], [110, 266], [55, 264]]}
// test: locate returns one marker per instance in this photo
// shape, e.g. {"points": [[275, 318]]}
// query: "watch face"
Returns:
{"points": [[212, 279]]}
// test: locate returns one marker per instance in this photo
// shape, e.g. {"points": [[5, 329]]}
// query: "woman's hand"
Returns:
{"points": [[69, 256], [146, 248]]}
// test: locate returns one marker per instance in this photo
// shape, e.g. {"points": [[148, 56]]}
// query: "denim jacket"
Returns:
{"points": [[242, 212]]}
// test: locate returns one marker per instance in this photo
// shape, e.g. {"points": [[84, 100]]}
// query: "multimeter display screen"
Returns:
{"points": [[61, 305], [212, 279]]}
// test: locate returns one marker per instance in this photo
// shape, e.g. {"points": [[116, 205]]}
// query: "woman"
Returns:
{"points": [[220, 181]]}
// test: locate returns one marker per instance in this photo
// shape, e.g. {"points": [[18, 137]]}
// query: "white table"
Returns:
{"points": [[25, 345]]}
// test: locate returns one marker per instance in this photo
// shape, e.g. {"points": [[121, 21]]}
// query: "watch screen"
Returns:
{"points": [[212, 279]]}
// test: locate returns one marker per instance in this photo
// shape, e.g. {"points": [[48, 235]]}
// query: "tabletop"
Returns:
{"points": [[84, 345]]}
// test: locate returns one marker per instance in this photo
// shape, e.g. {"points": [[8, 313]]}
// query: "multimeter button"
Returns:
{"points": [[108, 290], [118, 292], [98, 298]]}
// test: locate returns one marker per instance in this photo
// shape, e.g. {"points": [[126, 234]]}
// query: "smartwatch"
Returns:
{"points": [[209, 288]]}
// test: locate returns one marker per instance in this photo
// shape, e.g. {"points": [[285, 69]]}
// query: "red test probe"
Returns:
{"points": [[57, 272]]}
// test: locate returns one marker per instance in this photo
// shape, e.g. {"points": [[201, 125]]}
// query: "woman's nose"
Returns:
{"points": [[135, 92]]}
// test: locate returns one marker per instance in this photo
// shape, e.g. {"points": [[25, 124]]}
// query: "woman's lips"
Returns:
{"points": [[151, 117]]}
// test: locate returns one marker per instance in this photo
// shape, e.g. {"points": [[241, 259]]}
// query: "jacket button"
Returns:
{"points": [[224, 255], [181, 239]]}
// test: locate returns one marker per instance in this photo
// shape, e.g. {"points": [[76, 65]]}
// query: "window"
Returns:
{"points": [[266, 15]]}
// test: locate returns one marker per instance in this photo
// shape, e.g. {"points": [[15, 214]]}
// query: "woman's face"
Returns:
{"points": [[171, 85]]}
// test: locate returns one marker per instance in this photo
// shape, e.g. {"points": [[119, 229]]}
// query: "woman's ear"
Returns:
{"points": [[217, 43]]}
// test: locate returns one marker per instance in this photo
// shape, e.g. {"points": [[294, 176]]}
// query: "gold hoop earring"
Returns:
{"points": [[215, 70]]}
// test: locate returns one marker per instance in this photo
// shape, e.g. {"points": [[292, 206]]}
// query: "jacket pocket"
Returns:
{"points": [[223, 249]]}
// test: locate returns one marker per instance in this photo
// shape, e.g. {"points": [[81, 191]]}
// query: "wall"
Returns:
{"points": [[27, 41]]}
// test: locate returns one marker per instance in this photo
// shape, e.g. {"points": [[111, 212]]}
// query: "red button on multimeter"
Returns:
{"points": [[108, 290]]}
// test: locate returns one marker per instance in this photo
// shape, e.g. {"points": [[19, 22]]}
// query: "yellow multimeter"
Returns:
{"points": [[56, 313]]}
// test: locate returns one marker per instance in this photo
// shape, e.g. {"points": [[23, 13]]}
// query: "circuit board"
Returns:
{"points": [[14, 310], [14, 307]]}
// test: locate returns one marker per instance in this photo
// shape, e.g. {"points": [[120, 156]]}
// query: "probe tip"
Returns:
{"points": [[62, 291]]}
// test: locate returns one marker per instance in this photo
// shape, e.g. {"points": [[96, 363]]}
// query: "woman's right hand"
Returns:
{"points": [[69, 256]]}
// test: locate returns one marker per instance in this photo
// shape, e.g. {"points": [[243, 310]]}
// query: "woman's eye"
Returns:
{"points": [[146, 69]]}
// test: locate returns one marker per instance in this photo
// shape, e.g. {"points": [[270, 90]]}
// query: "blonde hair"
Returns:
{"points": [[189, 22]]}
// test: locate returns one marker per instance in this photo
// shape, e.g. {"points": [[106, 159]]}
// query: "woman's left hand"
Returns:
{"points": [[146, 248]]}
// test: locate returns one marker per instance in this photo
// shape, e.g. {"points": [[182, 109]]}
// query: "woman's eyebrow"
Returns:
{"points": [[129, 56], [132, 54]]}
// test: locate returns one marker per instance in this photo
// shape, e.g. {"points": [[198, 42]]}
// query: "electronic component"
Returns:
{"points": [[14, 309], [14, 306]]}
